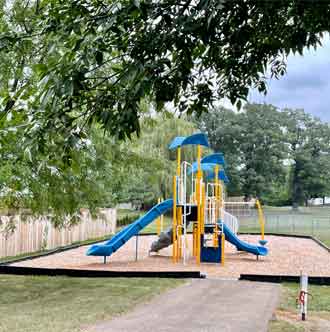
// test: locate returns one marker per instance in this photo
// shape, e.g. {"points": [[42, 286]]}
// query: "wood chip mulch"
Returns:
{"points": [[287, 256]]}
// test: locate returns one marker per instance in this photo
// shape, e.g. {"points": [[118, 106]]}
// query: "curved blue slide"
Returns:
{"points": [[112, 245], [241, 245]]}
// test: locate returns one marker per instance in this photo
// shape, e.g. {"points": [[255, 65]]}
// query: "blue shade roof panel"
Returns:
{"points": [[221, 176], [196, 139], [215, 158], [208, 169]]}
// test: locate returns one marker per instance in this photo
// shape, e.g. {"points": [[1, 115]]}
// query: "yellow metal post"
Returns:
{"points": [[217, 206], [158, 223], [203, 208], [178, 157], [179, 222], [223, 239], [194, 239], [162, 220], [261, 218], [217, 191], [178, 171], [198, 197], [174, 253]]}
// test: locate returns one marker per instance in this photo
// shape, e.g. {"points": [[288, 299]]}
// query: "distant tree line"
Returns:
{"points": [[280, 156]]}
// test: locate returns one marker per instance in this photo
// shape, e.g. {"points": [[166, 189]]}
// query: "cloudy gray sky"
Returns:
{"points": [[306, 84]]}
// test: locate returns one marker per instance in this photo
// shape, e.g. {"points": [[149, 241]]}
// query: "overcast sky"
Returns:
{"points": [[306, 84]]}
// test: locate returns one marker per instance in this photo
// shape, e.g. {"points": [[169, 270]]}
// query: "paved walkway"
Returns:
{"points": [[202, 305]]}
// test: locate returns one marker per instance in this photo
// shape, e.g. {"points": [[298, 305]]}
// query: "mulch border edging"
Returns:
{"points": [[76, 273], [314, 280]]}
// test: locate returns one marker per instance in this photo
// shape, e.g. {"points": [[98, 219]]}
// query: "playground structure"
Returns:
{"points": [[198, 205]]}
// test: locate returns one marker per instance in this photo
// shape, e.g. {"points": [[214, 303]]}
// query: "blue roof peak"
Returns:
{"points": [[215, 158], [195, 139]]}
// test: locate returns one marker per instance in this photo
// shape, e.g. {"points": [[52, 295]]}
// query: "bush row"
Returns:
{"points": [[128, 219]]}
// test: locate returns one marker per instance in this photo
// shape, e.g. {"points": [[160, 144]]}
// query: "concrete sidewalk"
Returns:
{"points": [[202, 305]]}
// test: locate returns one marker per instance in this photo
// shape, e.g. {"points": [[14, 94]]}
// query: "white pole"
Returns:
{"points": [[303, 295]]}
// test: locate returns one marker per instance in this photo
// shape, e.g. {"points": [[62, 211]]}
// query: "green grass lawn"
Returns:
{"points": [[318, 315], [319, 302], [152, 228], [306, 221], [62, 304]]}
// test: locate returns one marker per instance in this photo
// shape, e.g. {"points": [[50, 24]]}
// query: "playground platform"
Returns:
{"points": [[287, 256]]}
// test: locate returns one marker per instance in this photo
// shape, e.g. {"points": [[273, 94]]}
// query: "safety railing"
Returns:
{"points": [[231, 221]]}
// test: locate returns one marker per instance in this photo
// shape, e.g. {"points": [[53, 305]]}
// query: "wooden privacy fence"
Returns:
{"points": [[24, 234]]}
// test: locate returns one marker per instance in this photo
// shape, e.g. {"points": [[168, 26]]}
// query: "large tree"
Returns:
{"points": [[101, 170], [223, 128], [254, 147], [282, 156], [308, 140], [76, 62]]}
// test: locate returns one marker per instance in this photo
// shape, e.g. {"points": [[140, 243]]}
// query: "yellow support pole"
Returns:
{"points": [[223, 239], [178, 218], [261, 218], [162, 220], [158, 223], [217, 206], [194, 239], [203, 208], [174, 253], [198, 197], [217, 191], [178, 157], [179, 222]]}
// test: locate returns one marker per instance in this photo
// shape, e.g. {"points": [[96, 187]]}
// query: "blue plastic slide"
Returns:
{"points": [[109, 247], [241, 245]]}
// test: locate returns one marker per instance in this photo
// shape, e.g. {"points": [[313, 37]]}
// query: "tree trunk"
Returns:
{"points": [[296, 186]]}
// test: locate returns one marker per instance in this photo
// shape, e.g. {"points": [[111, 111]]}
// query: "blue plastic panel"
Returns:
{"points": [[241, 245], [109, 247], [176, 142], [209, 168], [215, 158], [196, 139], [204, 167], [221, 176]]}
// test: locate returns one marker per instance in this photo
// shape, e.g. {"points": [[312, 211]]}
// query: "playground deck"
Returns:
{"points": [[287, 256]]}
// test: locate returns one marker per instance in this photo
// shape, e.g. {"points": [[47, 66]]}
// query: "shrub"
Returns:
{"points": [[128, 219]]}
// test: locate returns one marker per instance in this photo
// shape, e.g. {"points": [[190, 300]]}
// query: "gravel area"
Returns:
{"points": [[287, 256]]}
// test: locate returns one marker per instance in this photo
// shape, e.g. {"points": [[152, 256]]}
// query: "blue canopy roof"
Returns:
{"points": [[221, 176], [215, 158], [205, 167], [196, 139], [208, 168]]}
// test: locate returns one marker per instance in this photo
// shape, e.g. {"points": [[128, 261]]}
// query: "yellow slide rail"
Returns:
{"points": [[261, 219]]}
